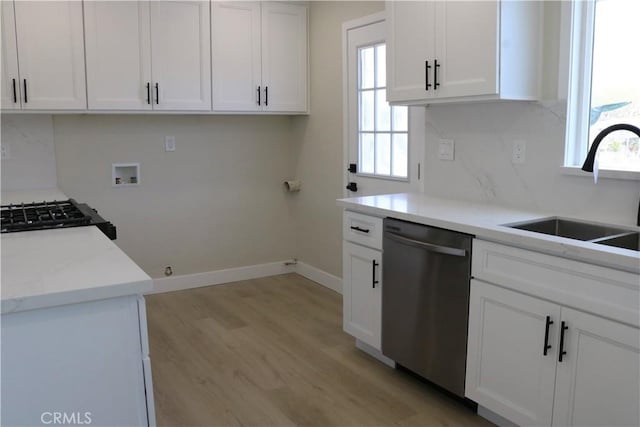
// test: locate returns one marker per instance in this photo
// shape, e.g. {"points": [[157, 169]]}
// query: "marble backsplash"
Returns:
{"points": [[32, 162], [483, 171]]}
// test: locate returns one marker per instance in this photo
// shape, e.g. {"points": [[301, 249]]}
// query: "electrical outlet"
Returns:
{"points": [[446, 149], [519, 151], [169, 143], [5, 149]]}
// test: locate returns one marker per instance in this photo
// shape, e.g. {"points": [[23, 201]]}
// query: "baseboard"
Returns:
{"points": [[218, 277], [376, 354], [319, 276], [494, 418]]}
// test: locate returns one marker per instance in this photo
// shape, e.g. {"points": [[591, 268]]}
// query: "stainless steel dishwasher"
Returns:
{"points": [[425, 301]]}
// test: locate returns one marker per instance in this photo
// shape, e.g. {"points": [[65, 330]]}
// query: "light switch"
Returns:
{"points": [[446, 149], [519, 151], [169, 143]]}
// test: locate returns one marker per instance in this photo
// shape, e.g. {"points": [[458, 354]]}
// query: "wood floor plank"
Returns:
{"points": [[271, 352]]}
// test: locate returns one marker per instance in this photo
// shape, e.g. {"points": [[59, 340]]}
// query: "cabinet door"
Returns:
{"points": [[466, 48], [10, 85], [77, 358], [118, 48], [181, 55], [51, 53], [362, 298], [284, 57], [598, 380], [235, 49], [506, 369], [410, 44]]}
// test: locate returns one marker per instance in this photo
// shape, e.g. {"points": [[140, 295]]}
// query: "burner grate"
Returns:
{"points": [[33, 216]]}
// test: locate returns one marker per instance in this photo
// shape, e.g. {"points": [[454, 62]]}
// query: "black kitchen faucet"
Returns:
{"points": [[588, 163]]}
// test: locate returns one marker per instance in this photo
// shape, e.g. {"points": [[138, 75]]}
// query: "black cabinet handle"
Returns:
{"points": [[548, 323], [148, 93], [157, 93], [435, 74], [362, 230], [563, 327], [374, 282], [15, 92], [266, 95], [427, 67], [25, 91], [258, 95]]}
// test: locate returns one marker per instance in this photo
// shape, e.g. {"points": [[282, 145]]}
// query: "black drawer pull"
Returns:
{"points": [[563, 327], [258, 95], [148, 93], [362, 230], [25, 91], [374, 282], [157, 93], [435, 74], [548, 323], [15, 92]]}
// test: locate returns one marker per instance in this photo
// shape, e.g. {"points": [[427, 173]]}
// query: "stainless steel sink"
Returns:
{"points": [[569, 228], [625, 241]]}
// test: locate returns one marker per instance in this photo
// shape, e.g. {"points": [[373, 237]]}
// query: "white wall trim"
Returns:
{"points": [[219, 277], [319, 276], [229, 275]]}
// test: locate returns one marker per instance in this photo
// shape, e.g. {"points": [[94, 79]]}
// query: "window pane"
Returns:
{"points": [[383, 154], [400, 122], [366, 68], [399, 167], [615, 83], [383, 113], [367, 147], [366, 111], [381, 65]]}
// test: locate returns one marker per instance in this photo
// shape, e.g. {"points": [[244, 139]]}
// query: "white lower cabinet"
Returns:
{"points": [[88, 361], [539, 363], [362, 293]]}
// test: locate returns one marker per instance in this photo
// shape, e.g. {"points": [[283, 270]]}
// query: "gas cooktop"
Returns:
{"points": [[48, 215]]}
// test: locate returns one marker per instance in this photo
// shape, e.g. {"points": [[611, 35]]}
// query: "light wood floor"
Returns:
{"points": [[271, 352]]}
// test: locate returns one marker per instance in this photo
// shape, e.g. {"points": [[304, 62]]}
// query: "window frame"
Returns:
{"points": [[576, 42]]}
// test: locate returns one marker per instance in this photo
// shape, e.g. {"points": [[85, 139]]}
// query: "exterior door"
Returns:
{"points": [[10, 85], [181, 55], [51, 55], [507, 370], [284, 57], [598, 380], [466, 48], [236, 66], [118, 49], [386, 144], [362, 298]]}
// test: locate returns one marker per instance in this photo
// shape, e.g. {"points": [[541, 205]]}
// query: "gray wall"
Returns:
{"points": [[216, 202]]}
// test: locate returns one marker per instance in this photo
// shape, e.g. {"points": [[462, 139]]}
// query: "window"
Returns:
{"points": [[604, 82], [383, 130]]}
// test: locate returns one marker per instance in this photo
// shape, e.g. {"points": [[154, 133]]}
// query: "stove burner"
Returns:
{"points": [[46, 215]]}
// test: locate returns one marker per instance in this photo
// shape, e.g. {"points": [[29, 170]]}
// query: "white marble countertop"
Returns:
{"points": [[486, 222], [46, 268]]}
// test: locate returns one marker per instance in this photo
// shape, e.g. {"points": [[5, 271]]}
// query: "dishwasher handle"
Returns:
{"points": [[445, 250]]}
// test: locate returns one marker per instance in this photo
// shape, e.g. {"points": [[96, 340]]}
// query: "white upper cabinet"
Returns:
{"points": [[452, 51], [118, 49], [236, 66], [284, 57], [51, 54], [10, 85], [181, 55], [265, 68]]}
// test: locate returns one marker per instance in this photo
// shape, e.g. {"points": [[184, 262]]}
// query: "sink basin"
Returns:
{"points": [[625, 241], [569, 228]]}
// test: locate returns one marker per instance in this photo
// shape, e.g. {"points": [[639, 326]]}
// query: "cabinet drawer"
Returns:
{"points": [[603, 291], [362, 229]]}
